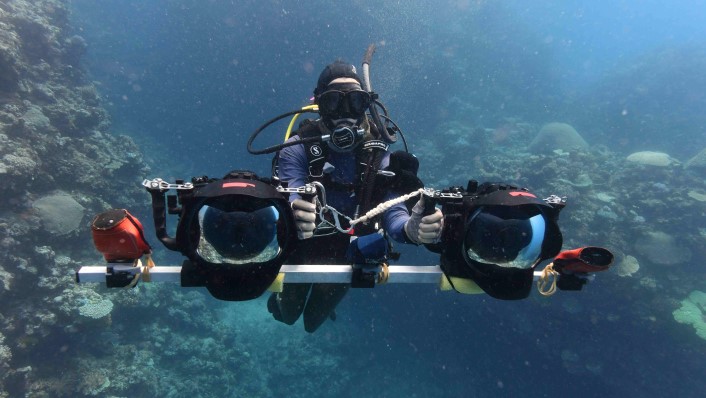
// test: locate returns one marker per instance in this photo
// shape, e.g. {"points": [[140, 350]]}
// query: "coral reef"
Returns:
{"points": [[650, 158], [553, 136], [5, 353], [697, 196], [698, 162], [96, 309], [6, 279], [627, 266], [693, 311], [662, 248], [58, 162], [648, 215], [59, 212]]}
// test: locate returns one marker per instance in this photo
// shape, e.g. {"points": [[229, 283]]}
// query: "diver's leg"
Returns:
{"points": [[287, 305], [322, 302], [325, 297]]}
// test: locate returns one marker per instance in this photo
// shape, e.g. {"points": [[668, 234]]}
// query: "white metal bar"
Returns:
{"points": [[326, 273], [96, 274]]}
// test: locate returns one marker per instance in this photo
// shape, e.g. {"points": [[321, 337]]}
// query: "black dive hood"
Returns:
{"points": [[501, 282], [236, 232]]}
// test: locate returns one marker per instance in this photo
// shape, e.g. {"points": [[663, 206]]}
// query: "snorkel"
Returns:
{"points": [[384, 133]]}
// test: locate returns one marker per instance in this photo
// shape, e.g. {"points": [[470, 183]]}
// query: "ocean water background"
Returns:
{"points": [[190, 80]]}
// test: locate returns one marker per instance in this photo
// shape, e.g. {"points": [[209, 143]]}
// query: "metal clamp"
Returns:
{"points": [[336, 215], [555, 200], [317, 189], [436, 194], [308, 189], [158, 183]]}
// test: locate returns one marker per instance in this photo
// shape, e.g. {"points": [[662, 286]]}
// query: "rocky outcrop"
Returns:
{"points": [[59, 163]]}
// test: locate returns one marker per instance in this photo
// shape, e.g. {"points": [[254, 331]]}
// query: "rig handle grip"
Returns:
{"points": [[430, 202]]}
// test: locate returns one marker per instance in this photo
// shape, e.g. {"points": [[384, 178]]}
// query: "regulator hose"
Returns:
{"points": [[276, 148]]}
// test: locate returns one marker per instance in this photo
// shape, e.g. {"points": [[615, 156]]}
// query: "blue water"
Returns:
{"points": [[190, 80]]}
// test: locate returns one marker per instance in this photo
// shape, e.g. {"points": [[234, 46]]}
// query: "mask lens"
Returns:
{"points": [[358, 101], [239, 236], [330, 101], [505, 236]]}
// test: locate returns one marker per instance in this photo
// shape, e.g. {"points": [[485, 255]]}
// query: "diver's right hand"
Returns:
{"points": [[304, 217]]}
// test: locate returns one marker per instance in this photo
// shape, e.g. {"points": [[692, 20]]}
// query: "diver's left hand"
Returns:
{"points": [[426, 229]]}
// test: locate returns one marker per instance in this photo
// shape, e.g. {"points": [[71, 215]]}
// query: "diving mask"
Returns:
{"points": [[342, 103]]}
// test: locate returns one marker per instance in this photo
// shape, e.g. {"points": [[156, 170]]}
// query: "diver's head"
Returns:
{"points": [[342, 104], [337, 70]]}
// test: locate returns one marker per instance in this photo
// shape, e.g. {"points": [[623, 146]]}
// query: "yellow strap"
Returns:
{"points": [[461, 285], [308, 108], [278, 284], [546, 284]]}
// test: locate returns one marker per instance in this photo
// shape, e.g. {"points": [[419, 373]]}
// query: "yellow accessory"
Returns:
{"points": [[278, 284], [309, 108]]}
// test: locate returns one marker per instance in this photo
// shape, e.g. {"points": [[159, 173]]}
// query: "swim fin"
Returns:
{"points": [[322, 304]]}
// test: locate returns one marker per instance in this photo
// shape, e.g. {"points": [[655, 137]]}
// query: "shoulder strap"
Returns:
{"points": [[316, 153], [369, 158]]}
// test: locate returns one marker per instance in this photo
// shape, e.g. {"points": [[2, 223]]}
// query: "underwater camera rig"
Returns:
{"points": [[236, 233], [496, 235]]}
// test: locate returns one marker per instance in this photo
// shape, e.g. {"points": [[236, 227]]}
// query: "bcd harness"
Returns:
{"points": [[369, 155]]}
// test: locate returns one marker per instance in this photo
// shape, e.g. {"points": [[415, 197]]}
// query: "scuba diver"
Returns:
{"points": [[335, 197], [347, 160]]}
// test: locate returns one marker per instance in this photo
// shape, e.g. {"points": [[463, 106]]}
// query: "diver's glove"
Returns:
{"points": [[304, 217], [424, 229]]}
